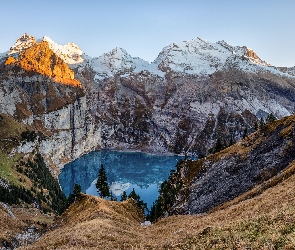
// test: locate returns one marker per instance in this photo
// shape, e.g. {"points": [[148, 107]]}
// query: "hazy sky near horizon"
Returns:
{"points": [[144, 27]]}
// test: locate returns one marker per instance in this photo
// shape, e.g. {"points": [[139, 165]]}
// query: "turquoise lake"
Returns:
{"points": [[125, 171]]}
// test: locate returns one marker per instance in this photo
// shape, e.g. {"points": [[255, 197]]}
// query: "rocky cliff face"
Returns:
{"points": [[193, 93], [68, 133], [223, 176], [39, 89]]}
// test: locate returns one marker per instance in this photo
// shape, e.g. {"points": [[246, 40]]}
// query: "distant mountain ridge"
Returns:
{"points": [[193, 93], [197, 57]]}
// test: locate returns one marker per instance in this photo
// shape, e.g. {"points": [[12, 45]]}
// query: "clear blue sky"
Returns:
{"points": [[144, 27]]}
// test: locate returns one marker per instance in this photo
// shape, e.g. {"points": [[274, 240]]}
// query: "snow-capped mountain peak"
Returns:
{"points": [[200, 57], [69, 52], [245, 52], [197, 56], [119, 58], [119, 61], [115, 61]]}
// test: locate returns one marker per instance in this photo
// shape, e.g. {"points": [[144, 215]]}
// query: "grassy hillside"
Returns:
{"points": [[266, 221], [261, 218], [26, 185], [10, 137]]}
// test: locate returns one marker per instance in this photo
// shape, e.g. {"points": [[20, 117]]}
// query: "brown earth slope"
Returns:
{"points": [[224, 176], [263, 222]]}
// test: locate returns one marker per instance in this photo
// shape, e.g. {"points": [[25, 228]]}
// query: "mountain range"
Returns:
{"points": [[193, 93], [57, 103]]}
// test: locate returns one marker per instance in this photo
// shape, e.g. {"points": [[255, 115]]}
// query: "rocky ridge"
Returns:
{"points": [[40, 90], [41, 59]]}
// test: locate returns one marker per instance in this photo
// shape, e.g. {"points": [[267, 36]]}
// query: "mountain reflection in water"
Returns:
{"points": [[125, 171]]}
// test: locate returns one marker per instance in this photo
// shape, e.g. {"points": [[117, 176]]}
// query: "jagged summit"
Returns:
{"points": [[22, 43], [118, 61], [69, 52], [40, 58], [195, 57], [115, 61], [244, 51]]}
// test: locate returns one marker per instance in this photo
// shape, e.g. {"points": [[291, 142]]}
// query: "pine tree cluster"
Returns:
{"points": [[45, 190], [13, 194], [168, 192], [139, 202], [41, 177]]}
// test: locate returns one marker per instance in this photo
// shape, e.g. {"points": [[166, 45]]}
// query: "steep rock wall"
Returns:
{"points": [[223, 176], [75, 134], [182, 113], [71, 133]]}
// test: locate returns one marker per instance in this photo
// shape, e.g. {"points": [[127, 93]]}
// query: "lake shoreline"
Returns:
{"points": [[141, 170]]}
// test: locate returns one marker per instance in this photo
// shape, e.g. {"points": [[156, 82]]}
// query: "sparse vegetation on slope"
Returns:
{"points": [[222, 176]]}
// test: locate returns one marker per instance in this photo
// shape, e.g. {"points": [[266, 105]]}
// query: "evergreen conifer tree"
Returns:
{"points": [[113, 197], [76, 193], [102, 184], [140, 203], [270, 118], [231, 141], [218, 146], [124, 196], [255, 125]]}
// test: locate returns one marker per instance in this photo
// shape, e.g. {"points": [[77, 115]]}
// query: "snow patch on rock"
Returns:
{"points": [[206, 108]]}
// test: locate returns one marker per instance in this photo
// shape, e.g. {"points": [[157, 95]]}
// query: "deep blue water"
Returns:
{"points": [[125, 170]]}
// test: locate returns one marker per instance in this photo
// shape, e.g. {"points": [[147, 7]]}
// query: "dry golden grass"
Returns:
{"points": [[266, 221], [245, 146]]}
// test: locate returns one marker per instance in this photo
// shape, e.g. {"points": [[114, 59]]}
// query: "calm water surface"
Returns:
{"points": [[125, 171]]}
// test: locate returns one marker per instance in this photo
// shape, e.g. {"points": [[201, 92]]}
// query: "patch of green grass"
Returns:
{"points": [[6, 171], [10, 131]]}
